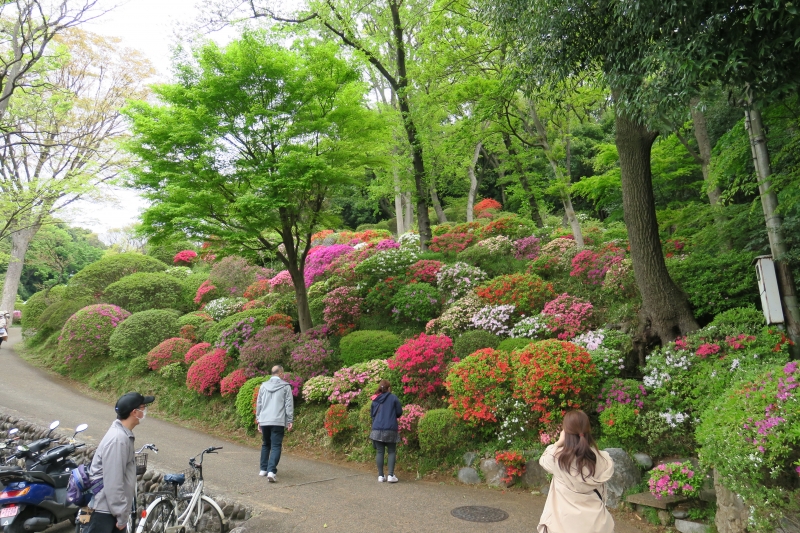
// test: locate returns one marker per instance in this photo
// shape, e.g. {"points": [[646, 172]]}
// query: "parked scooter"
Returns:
{"points": [[36, 498], [30, 452], [8, 444]]}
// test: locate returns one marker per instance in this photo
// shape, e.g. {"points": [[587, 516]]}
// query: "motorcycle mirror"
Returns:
{"points": [[80, 428], [13, 431], [54, 425], [22, 448]]}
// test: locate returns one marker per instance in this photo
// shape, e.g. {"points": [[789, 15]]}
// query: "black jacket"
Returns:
{"points": [[386, 409]]}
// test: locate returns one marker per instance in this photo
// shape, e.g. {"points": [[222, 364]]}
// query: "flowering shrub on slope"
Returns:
{"points": [[86, 334], [497, 319], [527, 248], [486, 203], [416, 302], [282, 283], [568, 315], [527, 292], [270, 346], [206, 373], [196, 352], [224, 307], [318, 262], [451, 243], [408, 423], [674, 479], [342, 309], [621, 391], [424, 271], [456, 281], [312, 358], [318, 389], [257, 289], [231, 383], [592, 266], [170, 351], [281, 320], [423, 361], [478, 384]]}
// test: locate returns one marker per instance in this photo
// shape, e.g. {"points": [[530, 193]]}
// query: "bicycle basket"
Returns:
{"points": [[188, 487], [141, 464]]}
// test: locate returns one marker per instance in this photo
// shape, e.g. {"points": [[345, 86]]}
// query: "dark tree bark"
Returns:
{"points": [[437, 206], [523, 180], [665, 313]]}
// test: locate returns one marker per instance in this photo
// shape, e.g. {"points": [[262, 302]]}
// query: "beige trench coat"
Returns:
{"points": [[572, 505]]}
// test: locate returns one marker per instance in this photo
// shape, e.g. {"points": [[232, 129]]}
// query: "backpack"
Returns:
{"points": [[80, 488]]}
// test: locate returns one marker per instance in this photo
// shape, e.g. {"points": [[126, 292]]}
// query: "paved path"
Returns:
{"points": [[309, 494]]}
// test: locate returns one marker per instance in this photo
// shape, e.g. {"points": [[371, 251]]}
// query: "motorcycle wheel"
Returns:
{"points": [[18, 525]]}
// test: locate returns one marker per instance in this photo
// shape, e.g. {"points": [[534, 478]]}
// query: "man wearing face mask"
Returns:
{"points": [[114, 462]]}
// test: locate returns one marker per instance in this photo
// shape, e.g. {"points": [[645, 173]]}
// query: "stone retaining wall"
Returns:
{"points": [[151, 481]]}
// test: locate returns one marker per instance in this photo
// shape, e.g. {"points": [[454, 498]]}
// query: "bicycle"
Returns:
{"points": [[181, 512]]}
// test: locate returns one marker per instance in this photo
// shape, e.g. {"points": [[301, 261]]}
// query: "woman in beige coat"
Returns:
{"points": [[576, 501]]}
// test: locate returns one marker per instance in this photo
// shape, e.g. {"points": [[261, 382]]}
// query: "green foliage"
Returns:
{"points": [[165, 251], [145, 290], [663, 437], [189, 286], [245, 402], [416, 302], [174, 372], [93, 280], [472, 341], [509, 345], [260, 315], [619, 424], [37, 304], [366, 345], [441, 433], [195, 319], [716, 283], [55, 316], [745, 319], [138, 366], [143, 331], [489, 262]]}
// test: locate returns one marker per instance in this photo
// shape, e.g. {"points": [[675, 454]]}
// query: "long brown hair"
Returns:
{"points": [[384, 386], [579, 444]]}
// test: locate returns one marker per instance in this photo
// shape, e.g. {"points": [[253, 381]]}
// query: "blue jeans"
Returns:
{"points": [[271, 441]]}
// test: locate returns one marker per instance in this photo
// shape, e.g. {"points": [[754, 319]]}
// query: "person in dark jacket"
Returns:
{"points": [[385, 435]]}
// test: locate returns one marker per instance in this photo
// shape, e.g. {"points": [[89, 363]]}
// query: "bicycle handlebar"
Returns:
{"points": [[151, 447]]}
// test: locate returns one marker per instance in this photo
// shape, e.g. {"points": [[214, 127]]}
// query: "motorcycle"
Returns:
{"points": [[29, 452], [13, 436], [36, 498]]}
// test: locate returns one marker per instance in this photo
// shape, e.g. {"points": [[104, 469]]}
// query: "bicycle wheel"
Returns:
{"points": [[159, 516], [210, 519]]}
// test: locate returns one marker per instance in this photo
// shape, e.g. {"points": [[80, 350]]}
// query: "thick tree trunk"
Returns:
{"points": [[536, 215], [398, 204], [713, 191], [666, 313], [20, 240], [473, 182], [408, 211], [295, 261], [574, 223], [437, 206], [769, 203]]}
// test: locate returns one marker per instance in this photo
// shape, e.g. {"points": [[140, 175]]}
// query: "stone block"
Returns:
{"points": [[732, 515], [648, 500], [626, 475], [493, 473], [469, 458], [534, 476], [469, 476], [643, 460], [664, 517], [687, 526]]}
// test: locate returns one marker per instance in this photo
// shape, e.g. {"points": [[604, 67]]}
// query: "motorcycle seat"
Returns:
{"points": [[175, 479], [4, 469]]}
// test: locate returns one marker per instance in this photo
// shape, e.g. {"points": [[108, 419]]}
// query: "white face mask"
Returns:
{"points": [[144, 414]]}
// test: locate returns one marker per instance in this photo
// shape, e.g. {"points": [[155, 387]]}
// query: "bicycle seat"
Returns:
{"points": [[177, 479]]}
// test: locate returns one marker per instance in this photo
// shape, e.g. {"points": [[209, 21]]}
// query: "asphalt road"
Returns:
{"points": [[309, 496]]}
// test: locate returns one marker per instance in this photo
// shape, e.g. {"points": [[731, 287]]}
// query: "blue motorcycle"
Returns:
{"points": [[35, 498]]}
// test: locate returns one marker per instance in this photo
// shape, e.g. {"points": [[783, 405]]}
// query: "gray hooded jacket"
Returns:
{"points": [[115, 462], [275, 405]]}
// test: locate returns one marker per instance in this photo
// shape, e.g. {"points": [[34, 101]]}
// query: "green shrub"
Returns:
{"points": [[143, 331], [196, 319], [472, 341], [165, 252], [441, 433], [361, 346], [174, 372], [213, 333], [509, 345], [619, 424], [37, 304], [416, 302], [245, 402], [94, 278], [55, 316], [86, 334], [145, 290], [483, 258], [716, 283], [189, 286], [745, 319], [138, 366]]}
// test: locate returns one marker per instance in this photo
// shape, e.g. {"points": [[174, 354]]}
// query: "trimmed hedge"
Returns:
{"points": [[143, 331], [366, 345], [145, 290], [244, 402], [509, 345], [86, 334], [472, 341], [92, 280], [196, 319], [441, 433], [38, 303]]}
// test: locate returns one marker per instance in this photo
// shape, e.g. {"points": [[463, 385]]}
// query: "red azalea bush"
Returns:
{"points": [[231, 383], [283, 321], [592, 266], [184, 258], [336, 420], [508, 225], [172, 350], [205, 293], [423, 361], [451, 243], [257, 289], [253, 304], [86, 334], [514, 463], [270, 346], [527, 292], [206, 373], [189, 332], [553, 377], [424, 271], [342, 310], [196, 352], [569, 315], [478, 384], [487, 203]]}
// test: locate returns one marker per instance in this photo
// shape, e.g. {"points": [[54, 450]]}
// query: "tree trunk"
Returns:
{"points": [[713, 191], [408, 212], [437, 206], [398, 204], [574, 223], [473, 182], [769, 203], [536, 215], [665, 313], [295, 261], [20, 240]]}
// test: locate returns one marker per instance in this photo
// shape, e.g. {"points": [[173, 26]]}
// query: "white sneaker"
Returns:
{"points": [[381, 479], [271, 477], [392, 479], [262, 473]]}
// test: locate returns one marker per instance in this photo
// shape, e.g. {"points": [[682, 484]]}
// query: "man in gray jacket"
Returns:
{"points": [[114, 462], [274, 415]]}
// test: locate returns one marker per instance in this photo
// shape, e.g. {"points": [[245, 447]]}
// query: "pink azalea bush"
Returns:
{"points": [[527, 248], [205, 293], [424, 271], [196, 352], [86, 334], [312, 358], [568, 315], [295, 380], [172, 350], [348, 382], [621, 391], [342, 310], [231, 383], [387, 244], [407, 424], [674, 479], [206, 373], [282, 283], [320, 259], [184, 257], [423, 361]]}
